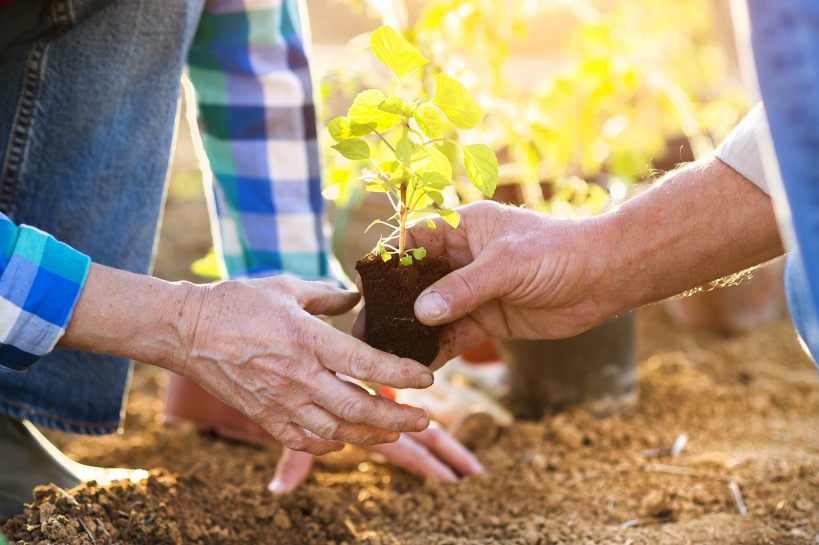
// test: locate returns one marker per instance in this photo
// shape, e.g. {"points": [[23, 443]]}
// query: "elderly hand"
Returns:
{"points": [[516, 274], [430, 453], [258, 346]]}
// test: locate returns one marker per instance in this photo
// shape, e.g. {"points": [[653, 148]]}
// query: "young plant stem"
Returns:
{"points": [[402, 220]]}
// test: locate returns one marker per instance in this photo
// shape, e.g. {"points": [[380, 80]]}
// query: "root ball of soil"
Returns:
{"points": [[390, 290]]}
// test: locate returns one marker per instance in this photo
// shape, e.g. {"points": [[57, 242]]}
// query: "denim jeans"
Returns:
{"points": [[88, 95], [785, 38]]}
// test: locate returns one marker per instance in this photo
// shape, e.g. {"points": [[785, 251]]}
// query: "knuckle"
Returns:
{"points": [[328, 429], [352, 408], [361, 366], [296, 441]]}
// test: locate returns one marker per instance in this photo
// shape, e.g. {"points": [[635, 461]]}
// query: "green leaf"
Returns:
{"points": [[378, 186], [434, 180], [365, 110], [406, 260], [431, 224], [455, 101], [429, 120], [386, 256], [353, 148], [438, 162], [434, 196], [395, 105], [482, 167], [419, 253], [451, 217], [389, 166], [397, 53], [403, 151], [341, 128]]}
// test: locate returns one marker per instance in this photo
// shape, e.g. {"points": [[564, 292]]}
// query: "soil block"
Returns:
{"points": [[390, 290]]}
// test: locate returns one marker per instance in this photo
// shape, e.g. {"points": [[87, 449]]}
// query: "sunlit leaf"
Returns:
{"points": [[429, 120], [365, 110], [434, 180], [397, 53], [455, 101], [378, 186], [403, 151], [431, 224], [395, 105], [406, 260], [389, 166], [438, 162], [341, 128], [481, 167], [419, 253], [451, 217], [354, 148]]}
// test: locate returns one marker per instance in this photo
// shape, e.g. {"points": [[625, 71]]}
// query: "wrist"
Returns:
{"points": [[135, 316]]}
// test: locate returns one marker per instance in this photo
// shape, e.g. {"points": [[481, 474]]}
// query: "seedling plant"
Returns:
{"points": [[410, 168]]}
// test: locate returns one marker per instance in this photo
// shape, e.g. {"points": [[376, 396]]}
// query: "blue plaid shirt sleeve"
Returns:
{"points": [[40, 283], [258, 120]]}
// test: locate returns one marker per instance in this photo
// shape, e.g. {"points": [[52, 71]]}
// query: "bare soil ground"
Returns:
{"points": [[749, 404]]}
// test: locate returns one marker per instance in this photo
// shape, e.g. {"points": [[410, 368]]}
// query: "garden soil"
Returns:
{"points": [[749, 406]]}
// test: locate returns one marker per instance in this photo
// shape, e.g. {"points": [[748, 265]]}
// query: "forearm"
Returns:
{"points": [[699, 224], [133, 316]]}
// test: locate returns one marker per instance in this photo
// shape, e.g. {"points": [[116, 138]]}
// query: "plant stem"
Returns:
{"points": [[402, 219]]}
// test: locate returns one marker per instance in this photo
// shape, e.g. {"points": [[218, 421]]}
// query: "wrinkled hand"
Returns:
{"points": [[517, 274], [258, 346], [430, 453]]}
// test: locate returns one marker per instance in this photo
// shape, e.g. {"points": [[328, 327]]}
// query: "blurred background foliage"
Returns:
{"points": [[585, 98]]}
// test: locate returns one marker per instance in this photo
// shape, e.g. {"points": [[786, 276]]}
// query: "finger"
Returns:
{"points": [[296, 438], [323, 298], [457, 337], [462, 291], [347, 355], [412, 456], [353, 404], [358, 326], [449, 450], [328, 426], [292, 470]]}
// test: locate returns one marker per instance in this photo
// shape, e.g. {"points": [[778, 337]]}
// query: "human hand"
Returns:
{"points": [[430, 453], [516, 273], [259, 346]]}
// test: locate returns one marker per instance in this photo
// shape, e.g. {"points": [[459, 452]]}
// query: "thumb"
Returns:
{"points": [[460, 292], [291, 471], [322, 298]]}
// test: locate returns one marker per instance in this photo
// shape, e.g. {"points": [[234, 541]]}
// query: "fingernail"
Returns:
{"points": [[422, 423], [476, 467], [425, 380], [432, 304], [277, 487]]}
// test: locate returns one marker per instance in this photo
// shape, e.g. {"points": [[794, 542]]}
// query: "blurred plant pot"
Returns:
{"points": [[732, 309], [595, 370]]}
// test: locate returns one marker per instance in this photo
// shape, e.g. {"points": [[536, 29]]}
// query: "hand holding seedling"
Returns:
{"points": [[526, 275], [516, 274], [259, 346]]}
